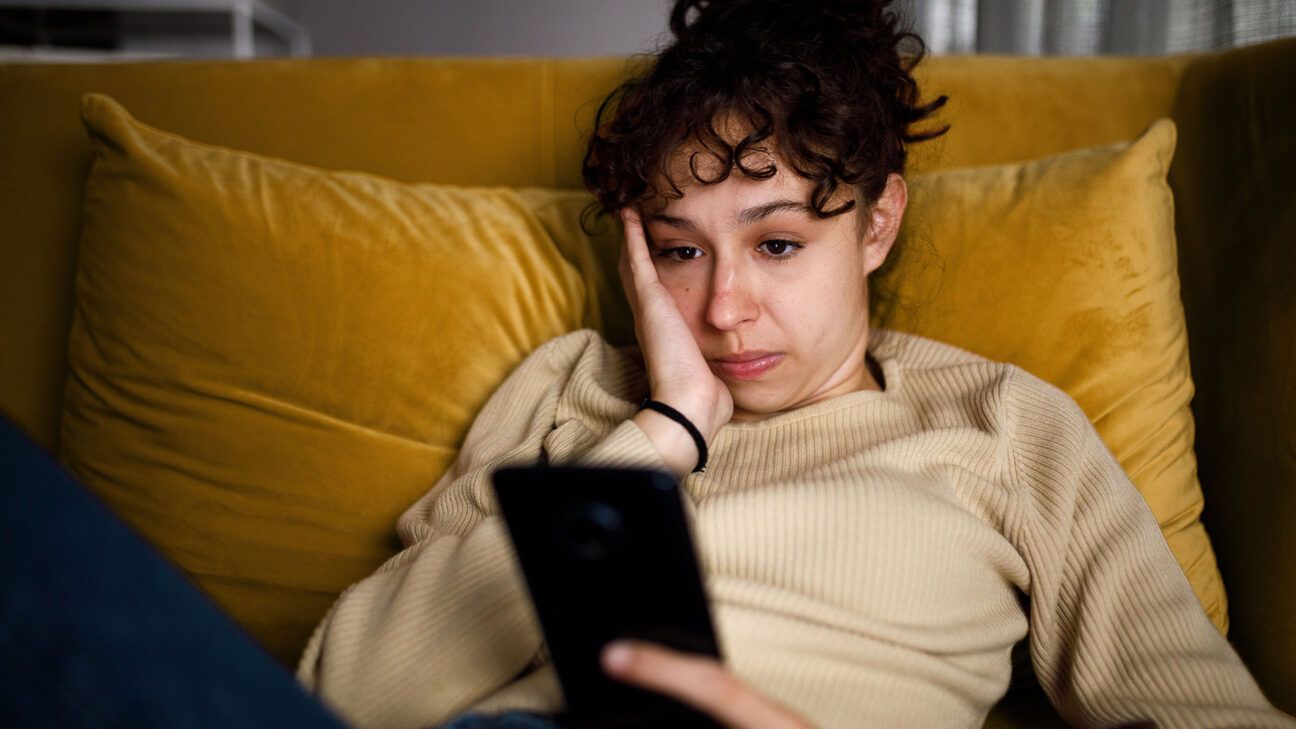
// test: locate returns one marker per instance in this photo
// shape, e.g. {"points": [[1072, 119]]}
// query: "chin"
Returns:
{"points": [[749, 404]]}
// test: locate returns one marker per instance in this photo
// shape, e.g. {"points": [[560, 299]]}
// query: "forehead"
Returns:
{"points": [[726, 198], [694, 161], [738, 200], [736, 185]]}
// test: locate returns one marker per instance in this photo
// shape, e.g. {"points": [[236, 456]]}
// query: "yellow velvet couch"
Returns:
{"points": [[419, 120]]}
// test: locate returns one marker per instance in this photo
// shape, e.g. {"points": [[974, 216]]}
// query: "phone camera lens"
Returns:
{"points": [[592, 531]]}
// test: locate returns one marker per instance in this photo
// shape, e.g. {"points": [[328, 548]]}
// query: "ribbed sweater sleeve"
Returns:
{"points": [[1117, 636], [866, 558], [447, 620]]}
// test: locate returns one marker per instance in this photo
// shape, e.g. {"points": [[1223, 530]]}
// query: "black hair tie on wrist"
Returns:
{"points": [[678, 417]]}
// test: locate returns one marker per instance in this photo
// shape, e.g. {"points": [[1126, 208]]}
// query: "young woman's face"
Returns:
{"points": [[776, 298]]}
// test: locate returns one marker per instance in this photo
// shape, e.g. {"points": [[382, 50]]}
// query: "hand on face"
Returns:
{"points": [[678, 374]]}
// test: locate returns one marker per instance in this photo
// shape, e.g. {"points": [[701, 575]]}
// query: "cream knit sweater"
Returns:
{"points": [[871, 559]]}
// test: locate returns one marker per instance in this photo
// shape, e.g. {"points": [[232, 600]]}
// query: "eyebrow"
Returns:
{"points": [[746, 217]]}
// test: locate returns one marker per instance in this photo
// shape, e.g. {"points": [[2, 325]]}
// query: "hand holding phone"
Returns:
{"points": [[608, 553]]}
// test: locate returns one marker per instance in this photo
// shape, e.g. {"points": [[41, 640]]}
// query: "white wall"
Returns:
{"points": [[481, 27]]}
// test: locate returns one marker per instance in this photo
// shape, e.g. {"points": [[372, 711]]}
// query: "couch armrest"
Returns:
{"points": [[1234, 179]]}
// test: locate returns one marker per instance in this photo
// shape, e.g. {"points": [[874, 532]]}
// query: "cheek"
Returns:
{"points": [[825, 305], [688, 298]]}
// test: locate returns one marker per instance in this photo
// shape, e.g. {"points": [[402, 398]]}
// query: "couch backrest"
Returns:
{"points": [[521, 122], [466, 121]]}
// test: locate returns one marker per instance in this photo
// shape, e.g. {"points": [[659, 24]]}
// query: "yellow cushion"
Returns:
{"points": [[269, 362], [1066, 266]]}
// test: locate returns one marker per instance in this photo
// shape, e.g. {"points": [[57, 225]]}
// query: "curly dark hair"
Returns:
{"points": [[827, 81]]}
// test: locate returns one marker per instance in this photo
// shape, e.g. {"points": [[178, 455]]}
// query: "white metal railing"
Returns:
{"points": [[245, 17]]}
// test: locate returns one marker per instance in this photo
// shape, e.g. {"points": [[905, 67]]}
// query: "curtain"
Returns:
{"points": [[1090, 27]]}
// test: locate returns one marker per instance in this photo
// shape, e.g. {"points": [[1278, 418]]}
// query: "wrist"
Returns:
{"points": [[673, 443], [697, 409], [699, 441]]}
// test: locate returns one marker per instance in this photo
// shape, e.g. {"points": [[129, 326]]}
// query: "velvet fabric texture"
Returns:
{"points": [[269, 361], [520, 122], [516, 122], [1235, 213], [1067, 267]]}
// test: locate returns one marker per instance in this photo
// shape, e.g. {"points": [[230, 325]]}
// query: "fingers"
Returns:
{"points": [[642, 271], [627, 281], [699, 681]]}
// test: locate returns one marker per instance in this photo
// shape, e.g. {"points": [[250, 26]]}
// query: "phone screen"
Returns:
{"points": [[608, 553]]}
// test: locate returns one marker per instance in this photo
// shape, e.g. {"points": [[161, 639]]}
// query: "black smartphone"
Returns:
{"points": [[608, 553]]}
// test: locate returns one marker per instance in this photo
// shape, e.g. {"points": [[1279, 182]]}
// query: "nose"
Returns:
{"points": [[732, 301]]}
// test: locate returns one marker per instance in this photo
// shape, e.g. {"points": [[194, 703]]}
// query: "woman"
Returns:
{"points": [[881, 517]]}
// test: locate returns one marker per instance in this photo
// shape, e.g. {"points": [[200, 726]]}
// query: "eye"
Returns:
{"points": [[780, 249], [680, 254]]}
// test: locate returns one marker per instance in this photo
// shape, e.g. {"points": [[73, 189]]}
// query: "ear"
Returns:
{"points": [[884, 223]]}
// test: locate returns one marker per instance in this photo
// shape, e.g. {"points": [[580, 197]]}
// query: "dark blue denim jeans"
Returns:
{"points": [[98, 629]]}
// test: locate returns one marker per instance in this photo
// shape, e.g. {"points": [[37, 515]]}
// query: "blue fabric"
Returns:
{"points": [[98, 629], [507, 720]]}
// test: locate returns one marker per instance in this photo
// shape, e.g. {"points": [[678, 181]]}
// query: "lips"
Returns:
{"points": [[748, 365]]}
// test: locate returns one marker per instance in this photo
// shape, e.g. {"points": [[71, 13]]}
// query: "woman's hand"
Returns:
{"points": [[678, 374], [699, 681]]}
